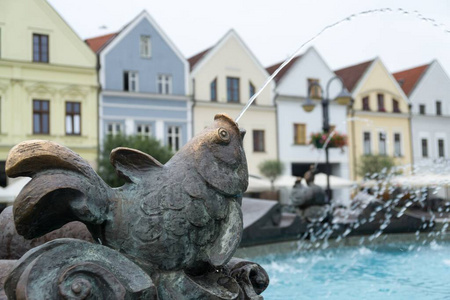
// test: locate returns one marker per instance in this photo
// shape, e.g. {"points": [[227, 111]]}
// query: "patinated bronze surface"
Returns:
{"points": [[310, 202], [13, 245], [175, 227]]}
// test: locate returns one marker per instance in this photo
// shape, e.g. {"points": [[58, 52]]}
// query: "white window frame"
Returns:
{"points": [[164, 84], [71, 119], [424, 109], [145, 46], [364, 143], [380, 134], [115, 126], [421, 147], [437, 147], [172, 136], [399, 145], [441, 107], [133, 78], [143, 133]]}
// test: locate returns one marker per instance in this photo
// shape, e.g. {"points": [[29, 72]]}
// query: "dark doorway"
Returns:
{"points": [[299, 169]]}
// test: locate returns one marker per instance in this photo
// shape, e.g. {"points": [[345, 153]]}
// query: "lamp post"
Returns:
{"points": [[343, 98]]}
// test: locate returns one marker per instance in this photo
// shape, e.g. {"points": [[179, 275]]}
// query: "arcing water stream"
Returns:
{"points": [[400, 11], [403, 271], [382, 186]]}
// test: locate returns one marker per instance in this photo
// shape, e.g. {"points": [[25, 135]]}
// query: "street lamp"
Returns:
{"points": [[343, 98]]}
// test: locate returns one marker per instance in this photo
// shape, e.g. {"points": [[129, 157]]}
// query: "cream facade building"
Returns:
{"points": [[380, 118], [48, 81], [223, 78]]}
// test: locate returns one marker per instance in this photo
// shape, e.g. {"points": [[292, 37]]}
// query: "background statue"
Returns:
{"points": [[310, 201]]}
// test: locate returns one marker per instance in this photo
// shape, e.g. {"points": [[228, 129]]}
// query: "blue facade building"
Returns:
{"points": [[144, 84]]}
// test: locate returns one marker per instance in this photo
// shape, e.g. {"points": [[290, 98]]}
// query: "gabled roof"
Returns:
{"points": [[70, 33], [199, 59], [104, 44], [408, 79], [352, 74], [196, 58], [98, 43], [283, 71]]}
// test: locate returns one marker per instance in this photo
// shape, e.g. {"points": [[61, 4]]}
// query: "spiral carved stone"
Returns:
{"points": [[252, 278], [89, 280], [73, 269]]}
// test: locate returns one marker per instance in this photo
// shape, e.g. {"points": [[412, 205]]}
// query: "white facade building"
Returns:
{"points": [[295, 125], [428, 89]]}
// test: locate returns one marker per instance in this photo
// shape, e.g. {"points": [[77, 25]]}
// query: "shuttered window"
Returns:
{"points": [[258, 141], [300, 134]]}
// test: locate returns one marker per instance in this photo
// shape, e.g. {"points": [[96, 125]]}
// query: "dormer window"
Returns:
{"points": [[422, 110], [252, 91], [146, 47], [380, 98], [365, 103], [165, 84], [314, 88], [213, 89], [439, 108], [233, 89], [40, 48], [395, 106], [130, 81]]}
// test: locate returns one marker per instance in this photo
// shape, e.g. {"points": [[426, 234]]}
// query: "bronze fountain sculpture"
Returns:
{"points": [[169, 233]]}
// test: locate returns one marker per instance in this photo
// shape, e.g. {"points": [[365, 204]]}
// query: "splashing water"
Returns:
{"points": [[319, 237], [392, 271], [401, 11]]}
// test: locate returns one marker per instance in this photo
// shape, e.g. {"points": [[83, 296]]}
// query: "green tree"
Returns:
{"points": [[271, 169], [375, 164], [145, 144]]}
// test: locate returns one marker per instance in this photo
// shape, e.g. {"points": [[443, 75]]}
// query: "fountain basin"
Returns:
{"points": [[406, 266]]}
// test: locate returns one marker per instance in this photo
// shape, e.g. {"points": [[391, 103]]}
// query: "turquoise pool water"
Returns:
{"points": [[395, 271]]}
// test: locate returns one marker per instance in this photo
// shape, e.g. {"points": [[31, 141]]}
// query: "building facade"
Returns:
{"points": [[295, 125], [144, 81], [223, 78], [428, 89], [48, 81], [380, 117]]}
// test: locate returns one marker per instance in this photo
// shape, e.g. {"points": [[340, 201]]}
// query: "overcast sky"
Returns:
{"points": [[274, 29]]}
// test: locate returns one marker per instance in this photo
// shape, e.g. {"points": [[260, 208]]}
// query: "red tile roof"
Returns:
{"points": [[196, 58], [408, 79], [283, 71], [351, 75], [98, 43]]}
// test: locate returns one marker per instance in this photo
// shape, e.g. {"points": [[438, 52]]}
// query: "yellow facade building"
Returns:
{"points": [[380, 118], [48, 81]]}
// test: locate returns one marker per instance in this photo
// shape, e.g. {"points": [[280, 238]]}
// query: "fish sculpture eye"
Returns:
{"points": [[223, 134]]}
